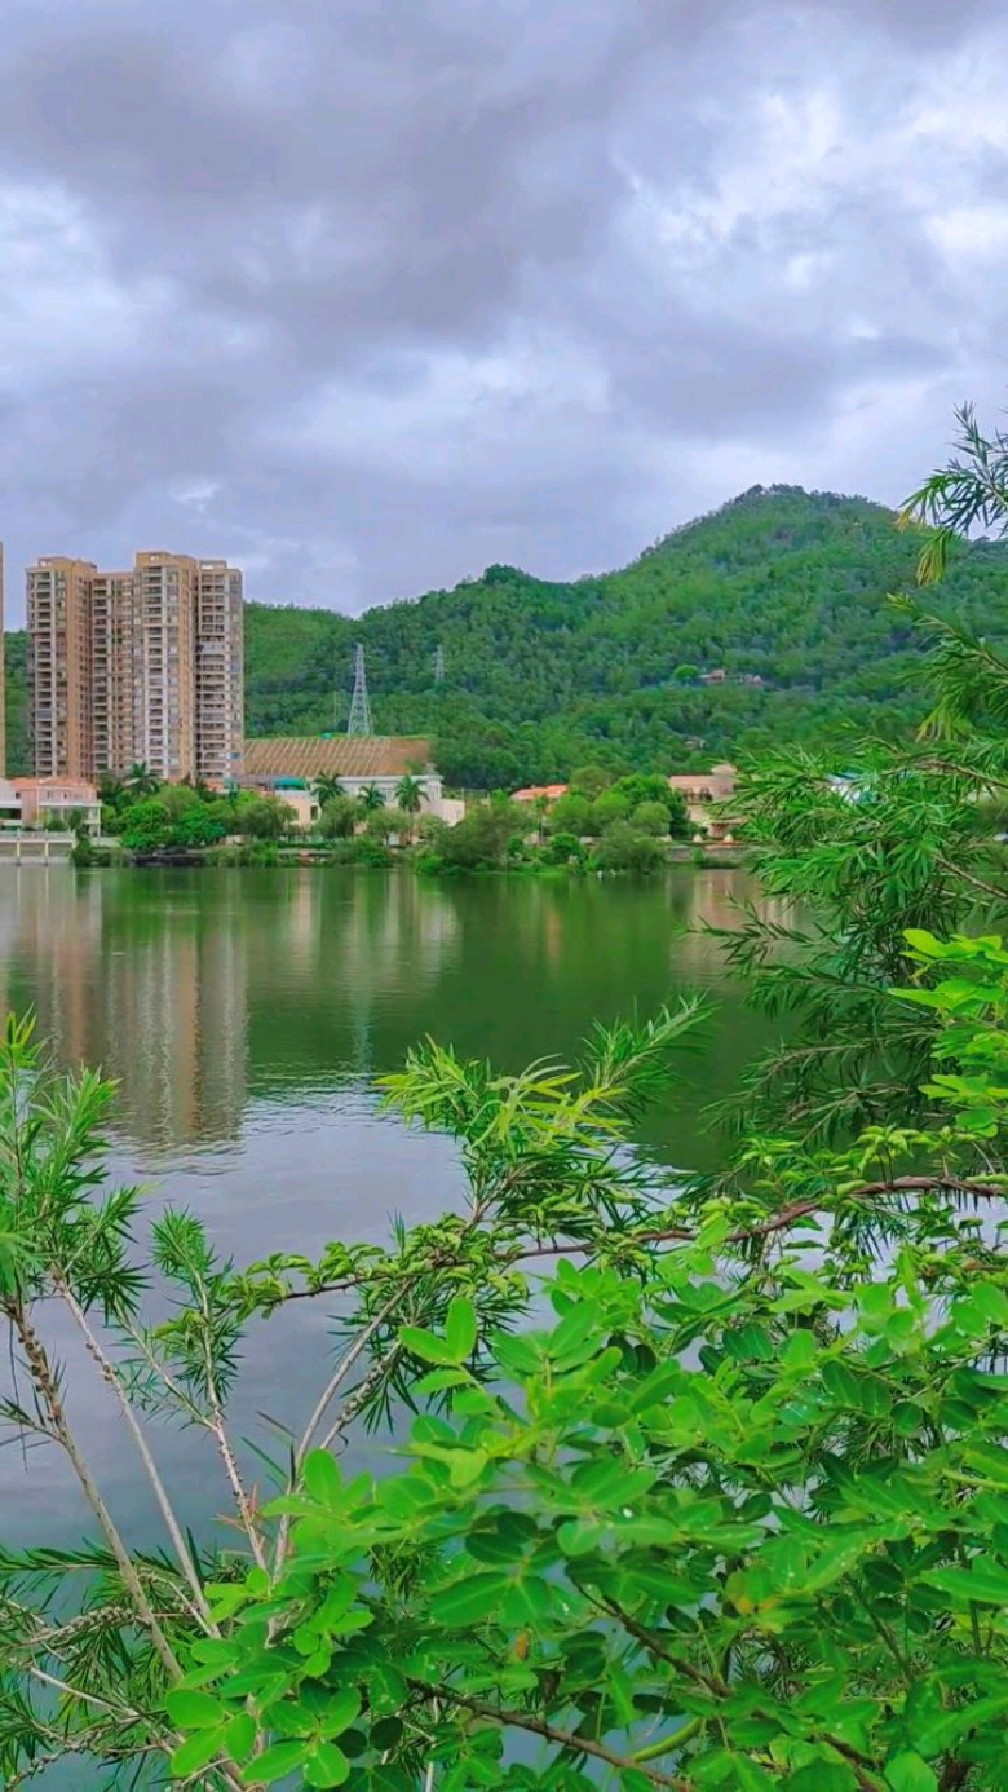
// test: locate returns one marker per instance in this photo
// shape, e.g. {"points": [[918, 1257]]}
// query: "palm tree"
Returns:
{"points": [[409, 792], [372, 799], [141, 781], [326, 787]]}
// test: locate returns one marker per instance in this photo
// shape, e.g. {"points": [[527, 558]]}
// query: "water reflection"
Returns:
{"points": [[150, 978], [202, 993]]}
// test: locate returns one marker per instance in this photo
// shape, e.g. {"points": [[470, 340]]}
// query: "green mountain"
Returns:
{"points": [[782, 590]]}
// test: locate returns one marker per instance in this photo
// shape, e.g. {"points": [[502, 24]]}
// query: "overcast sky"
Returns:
{"points": [[366, 294]]}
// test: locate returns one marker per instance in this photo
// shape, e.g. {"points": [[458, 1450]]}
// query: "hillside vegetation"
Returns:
{"points": [[780, 585]]}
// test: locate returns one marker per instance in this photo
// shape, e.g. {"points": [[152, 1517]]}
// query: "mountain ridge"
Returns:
{"points": [[781, 590]]}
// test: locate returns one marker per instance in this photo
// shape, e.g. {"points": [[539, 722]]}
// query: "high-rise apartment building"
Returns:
{"points": [[136, 667], [220, 671], [165, 591], [112, 673], [59, 666]]}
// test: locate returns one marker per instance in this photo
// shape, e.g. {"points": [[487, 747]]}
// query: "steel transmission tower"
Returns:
{"points": [[360, 709], [439, 666]]}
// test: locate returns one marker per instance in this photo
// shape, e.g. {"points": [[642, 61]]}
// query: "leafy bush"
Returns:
{"points": [[480, 840], [590, 781], [651, 818], [564, 849], [570, 814], [611, 807], [368, 850], [431, 830], [338, 817], [731, 1517], [623, 849]]}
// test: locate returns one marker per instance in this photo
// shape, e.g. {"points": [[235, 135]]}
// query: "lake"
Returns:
{"points": [[246, 1015]]}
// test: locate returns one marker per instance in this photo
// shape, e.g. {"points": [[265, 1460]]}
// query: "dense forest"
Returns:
{"points": [[783, 590]]}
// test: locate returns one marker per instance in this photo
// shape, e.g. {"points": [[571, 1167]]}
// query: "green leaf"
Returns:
{"points": [[823, 1776], [226, 1597], [751, 1777], [441, 1381], [339, 1711], [910, 1773], [193, 1710], [466, 1466], [240, 1736], [944, 1729], [279, 1760], [985, 1583], [800, 1351], [328, 1766], [428, 1346], [991, 1301], [386, 1733], [323, 1479], [469, 1600], [461, 1328], [196, 1752]]}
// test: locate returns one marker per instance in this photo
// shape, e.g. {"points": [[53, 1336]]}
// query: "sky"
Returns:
{"points": [[369, 294]]}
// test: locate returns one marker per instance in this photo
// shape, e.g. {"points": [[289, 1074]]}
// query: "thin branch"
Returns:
{"points": [[537, 1726], [38, 1364], [977, 883], [786, 1216], [360, 1396], [86, 1698], [217, 1425], [111, 1376], [342, 1370], [712, 1683], [213, 1422]]}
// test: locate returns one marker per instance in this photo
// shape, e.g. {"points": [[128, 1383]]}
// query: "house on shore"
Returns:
{"points": [[34, 803], [702, 791], [291, 766]]}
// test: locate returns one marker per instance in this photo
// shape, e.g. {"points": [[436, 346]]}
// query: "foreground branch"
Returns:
{"points": [[41, 1373], [539, 1726]]}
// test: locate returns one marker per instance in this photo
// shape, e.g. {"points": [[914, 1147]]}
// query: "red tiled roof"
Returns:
{"points": [[532, 791]]}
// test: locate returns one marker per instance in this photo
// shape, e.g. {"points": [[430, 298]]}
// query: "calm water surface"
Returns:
{"points": [[246, 1017]]}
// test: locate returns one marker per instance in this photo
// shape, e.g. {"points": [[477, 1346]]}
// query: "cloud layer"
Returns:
{"points": [[367, 295]]}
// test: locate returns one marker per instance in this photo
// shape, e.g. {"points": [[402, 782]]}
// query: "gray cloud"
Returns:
{"points": [[369, 295]]}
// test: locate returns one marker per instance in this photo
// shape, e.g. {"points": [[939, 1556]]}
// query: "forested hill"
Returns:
{"points": [[780, 585]]}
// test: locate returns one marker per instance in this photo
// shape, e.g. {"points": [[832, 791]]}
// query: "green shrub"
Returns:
{"points": [[651, 818], [564, 849], [623, 849]]}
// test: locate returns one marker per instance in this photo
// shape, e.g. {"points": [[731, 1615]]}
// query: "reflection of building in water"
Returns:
{"points": [[156, 987], [350, 944], [176, 1028], [53, 939], [712, 898], [174, 1018], [156, 998]]}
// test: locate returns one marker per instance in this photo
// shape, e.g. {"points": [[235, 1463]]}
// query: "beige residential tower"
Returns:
{"points": [[144, 666]]}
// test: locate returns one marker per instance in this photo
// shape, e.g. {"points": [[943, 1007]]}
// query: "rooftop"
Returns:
{"points": [[532, 791], [342, 755]]}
